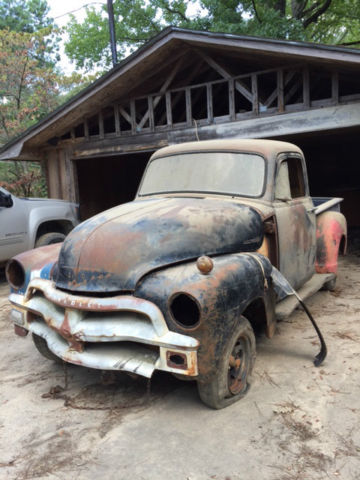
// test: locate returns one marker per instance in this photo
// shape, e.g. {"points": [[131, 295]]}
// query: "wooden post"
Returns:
{"points": [[255, 94], [101, 125], [335, 88], [169, 120], [133, 116], [188, 107], [232, 112], [151, 113], [280, 91], [209, 102], [306, 88], [86, 129], [117, 120]]}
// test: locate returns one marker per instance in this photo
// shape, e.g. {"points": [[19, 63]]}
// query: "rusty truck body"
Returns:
{"points": [[179, 279]]}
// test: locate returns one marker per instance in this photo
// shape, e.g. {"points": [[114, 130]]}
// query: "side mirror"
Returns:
{"points": [[6, 200]]}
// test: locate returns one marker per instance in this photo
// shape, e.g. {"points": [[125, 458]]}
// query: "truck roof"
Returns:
{"points": [[263, 147]]}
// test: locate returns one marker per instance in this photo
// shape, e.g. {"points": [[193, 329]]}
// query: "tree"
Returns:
{"points": [[24, 15], [324, 21]]}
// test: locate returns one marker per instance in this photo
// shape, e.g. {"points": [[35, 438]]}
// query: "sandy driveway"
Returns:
{"points": [[296, 423]]}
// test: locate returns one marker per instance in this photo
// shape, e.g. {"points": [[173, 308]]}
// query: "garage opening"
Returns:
{"points": [[334, 171], [108, 181]]}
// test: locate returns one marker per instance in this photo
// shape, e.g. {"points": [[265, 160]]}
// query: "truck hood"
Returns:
{"points": [[115, 249]]}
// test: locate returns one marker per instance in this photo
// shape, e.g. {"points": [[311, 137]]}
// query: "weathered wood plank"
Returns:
{"points": [[169, 120], [209, 103], [188, 106], [335, 87], [306, 87], [151, 114], [117, 120], [255, 94], [273, 95], [101, 124], [280, 91], [133, 116], [232, 99]]}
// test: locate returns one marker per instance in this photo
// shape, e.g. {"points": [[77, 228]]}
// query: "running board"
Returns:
{"points": [[286, 307]]}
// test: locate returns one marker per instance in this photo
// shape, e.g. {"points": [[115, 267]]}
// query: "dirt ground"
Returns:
{"points": [[297, 422]]}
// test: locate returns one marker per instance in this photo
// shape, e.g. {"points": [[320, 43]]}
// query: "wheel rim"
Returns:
{"points": [[238, 367]]}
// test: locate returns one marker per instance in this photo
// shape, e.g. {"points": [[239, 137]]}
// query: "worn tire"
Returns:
{"points": [[49, 238], [232, 382], [42, 348]]}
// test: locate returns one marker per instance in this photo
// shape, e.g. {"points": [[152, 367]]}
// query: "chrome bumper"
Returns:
{"points": [[83, 331]]}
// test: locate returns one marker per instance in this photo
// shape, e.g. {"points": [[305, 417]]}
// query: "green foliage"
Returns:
{"points": [[24, 15], [136, 21], [23, 179]]}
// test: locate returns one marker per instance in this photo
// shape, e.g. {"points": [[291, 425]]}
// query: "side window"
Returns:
{"points": [[290, 180]]}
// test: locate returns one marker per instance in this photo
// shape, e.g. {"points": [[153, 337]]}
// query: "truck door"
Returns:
{"points": [[13, 228], [296, 224]]}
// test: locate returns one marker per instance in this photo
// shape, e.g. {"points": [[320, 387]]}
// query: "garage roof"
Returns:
{"points": [[160, 49]]}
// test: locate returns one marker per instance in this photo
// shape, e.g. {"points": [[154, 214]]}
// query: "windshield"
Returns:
{"points": [[229, 173]]}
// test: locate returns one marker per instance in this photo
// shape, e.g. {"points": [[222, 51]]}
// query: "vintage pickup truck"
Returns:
{"points": [[179, 279]]}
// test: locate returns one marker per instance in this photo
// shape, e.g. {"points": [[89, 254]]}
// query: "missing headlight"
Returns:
{"points": [[185, 310], [15, 274]]}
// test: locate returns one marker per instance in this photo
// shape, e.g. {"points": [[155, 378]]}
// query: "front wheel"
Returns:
{"points": [[43, 349], [231, 382]]}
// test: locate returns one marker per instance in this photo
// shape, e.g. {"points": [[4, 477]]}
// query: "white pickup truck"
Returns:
{"points": [[26, 223]]}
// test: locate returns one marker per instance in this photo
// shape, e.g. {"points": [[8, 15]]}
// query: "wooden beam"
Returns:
{"points": [[288, 77], [239, 85], [163, 89], [125, 114]]}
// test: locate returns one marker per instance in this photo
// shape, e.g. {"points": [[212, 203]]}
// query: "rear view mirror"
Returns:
{"points": [[6, 200]]}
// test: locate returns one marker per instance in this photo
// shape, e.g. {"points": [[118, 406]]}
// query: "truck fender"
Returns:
{"points": [[234, 287], [331, 238]]}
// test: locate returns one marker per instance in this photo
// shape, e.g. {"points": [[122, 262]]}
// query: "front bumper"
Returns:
{"points": [[115, 333]]}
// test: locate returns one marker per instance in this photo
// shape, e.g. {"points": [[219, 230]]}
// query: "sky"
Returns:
{"points": [[59, 10]]}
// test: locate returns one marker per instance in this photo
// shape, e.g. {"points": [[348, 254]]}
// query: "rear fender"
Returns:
{"points": [[331, 237]]}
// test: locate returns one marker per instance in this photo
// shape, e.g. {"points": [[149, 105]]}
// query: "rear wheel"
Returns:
{"points": [[330, 285], [49, 238], [43, 348], [231, 382]]}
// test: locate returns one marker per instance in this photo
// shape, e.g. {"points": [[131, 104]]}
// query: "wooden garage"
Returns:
{"points": [[189, 85]]}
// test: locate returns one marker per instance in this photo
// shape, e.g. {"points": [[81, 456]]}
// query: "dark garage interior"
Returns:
{"points": [[108, 181]]}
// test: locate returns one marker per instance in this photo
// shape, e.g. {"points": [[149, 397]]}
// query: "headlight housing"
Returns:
{"points": [[185, 310], [15, 274]]}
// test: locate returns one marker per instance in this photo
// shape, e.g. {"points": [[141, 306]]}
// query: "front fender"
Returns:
{"points": [[222, 295], [37, 263], [330, 230]]}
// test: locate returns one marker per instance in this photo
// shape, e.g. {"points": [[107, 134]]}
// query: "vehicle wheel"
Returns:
{"points": [[49, 238], [42, 348], [232, 379], [330, 285]]}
